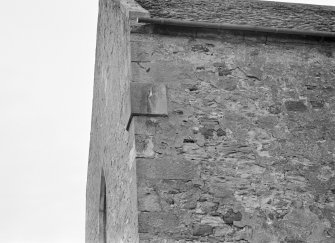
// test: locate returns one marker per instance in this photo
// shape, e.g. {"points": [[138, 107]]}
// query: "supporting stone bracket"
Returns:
{"points": [[148, 99]]}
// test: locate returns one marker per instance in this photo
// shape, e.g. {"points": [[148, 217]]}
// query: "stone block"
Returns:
{"points": [[298, 106], [202, 230], [166, 168], [213, 221], [148, 203], [162, 222], [148, 99], [135, 10], [144, 146], [232, 216], [317, 104]]}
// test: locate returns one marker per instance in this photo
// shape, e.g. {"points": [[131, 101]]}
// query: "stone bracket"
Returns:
{"points": [[148, 99]]}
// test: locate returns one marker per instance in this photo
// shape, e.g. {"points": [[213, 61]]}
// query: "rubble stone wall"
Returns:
{"points": [[247, 151]]}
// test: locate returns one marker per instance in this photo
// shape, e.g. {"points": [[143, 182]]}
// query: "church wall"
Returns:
{"points": [[246, 153], [112, 148]]}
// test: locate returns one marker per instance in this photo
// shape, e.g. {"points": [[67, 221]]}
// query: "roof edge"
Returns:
{"points": [[225, 26]]}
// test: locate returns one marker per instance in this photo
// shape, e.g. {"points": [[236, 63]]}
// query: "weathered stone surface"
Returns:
{"points": [[148, 99], [144, 146], [141, 51], [202, 230], [112, 148], [232, 216], [295, 106], [167, 168], [257, 13], [158, 222], [316, 104], [252, 160], [145, 125], [149, 203], [151, 72], [220, 132]]}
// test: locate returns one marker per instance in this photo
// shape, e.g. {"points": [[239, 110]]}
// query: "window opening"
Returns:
{"points": [[102, 210]]}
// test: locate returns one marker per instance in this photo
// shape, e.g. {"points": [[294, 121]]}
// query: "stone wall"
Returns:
{"points": [[246, 12], [247, 151], [112, 149]]}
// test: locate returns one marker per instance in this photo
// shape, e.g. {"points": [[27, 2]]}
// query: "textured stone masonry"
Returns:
{"points": [[249, 12], [112, 147], [246, 153]]}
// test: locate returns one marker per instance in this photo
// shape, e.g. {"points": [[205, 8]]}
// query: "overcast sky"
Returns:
{"points": [[46, 72]]}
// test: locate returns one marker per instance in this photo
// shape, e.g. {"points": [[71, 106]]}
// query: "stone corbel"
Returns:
{"points": [[148, 99]]}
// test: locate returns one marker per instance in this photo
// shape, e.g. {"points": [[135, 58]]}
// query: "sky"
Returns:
{"points": [[47, 52], [46, 71]]}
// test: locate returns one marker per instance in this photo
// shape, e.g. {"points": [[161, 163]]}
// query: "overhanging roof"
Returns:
{"points": [[302, 17]]}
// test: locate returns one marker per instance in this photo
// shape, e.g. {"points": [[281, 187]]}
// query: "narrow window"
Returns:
{"points": [[102, 210]]}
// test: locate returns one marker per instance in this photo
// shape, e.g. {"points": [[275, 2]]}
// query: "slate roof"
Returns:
{"points": [[247, 12]]}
